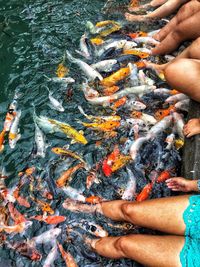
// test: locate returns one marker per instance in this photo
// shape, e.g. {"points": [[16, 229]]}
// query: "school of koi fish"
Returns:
{"points": [[132, 125]]}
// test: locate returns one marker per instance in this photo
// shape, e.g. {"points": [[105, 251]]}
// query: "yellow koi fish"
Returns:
{"points": [[44, 206], [116, 77], [105, 126], [61, 71], [120, 162], [97, 41], [65, 152], [70, 131], [136, 53]]}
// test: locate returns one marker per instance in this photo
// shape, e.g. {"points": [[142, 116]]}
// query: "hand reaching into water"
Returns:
{"points": [[182, 184]]}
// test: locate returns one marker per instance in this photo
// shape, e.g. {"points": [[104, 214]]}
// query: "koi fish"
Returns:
{"points": [[120, 102], [48, 236], [144, 194], [15, 229], [99, 119], [134, 3], [162, 113], [105, 65], [140, 53], [92, 177], [144, 79], [106, 22], [21, 200], [134, 104], [10, 115], [68, 153], [106, 100], [49, 219], [67, 257], [73, 193], [15, 214], [26, 250], [104, 126], [61, 71], [90, 227], [120, 162], [84, 48], [107, 163], [116, 77], [183, 105], [14, 136], [179, 143], [51, 125], [90, 72], [146, 40], [170, 139], [54, 102], [138, 34], [163, 177], [66, 176], [131, 186], [40, 142], [97, 41], [176, 98], [107, 32], [44, 206], [93, 199], [2, 137], [65, 80], [51, 256], [148, 119], [179, 124], [110, 90]]}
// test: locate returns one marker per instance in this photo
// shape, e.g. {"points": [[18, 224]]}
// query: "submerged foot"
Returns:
{"points": [[131, 17], [192, 127], [156, 67]]}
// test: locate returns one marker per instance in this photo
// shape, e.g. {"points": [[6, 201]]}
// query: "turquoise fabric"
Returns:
{"points": [[190, 254]]}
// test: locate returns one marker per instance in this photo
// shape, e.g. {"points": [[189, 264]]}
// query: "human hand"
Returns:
{"points": [[181, 184]]}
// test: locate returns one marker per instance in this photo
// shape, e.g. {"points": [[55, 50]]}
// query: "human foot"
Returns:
{"points": [[192, 127], [131, 17], [156, 67]]}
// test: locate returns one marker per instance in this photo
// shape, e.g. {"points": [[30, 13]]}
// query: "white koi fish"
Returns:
{"points": [[46, 237], [176, 98], [131, 186], [54, 102], [104, 65], [14, 136], [179, 123], [90, 72], [40, 142], [146, 40], [51, 256], [73, 193], [183, 105], [66, 80]]}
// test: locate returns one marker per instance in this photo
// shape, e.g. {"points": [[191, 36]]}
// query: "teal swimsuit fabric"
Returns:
{"points": [[190, 254]]}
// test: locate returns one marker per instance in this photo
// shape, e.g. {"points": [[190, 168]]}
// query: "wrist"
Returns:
{"points": [[194, 185]]}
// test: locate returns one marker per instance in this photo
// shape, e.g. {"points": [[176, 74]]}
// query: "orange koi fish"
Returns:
{"points": [[49, 219], [162, 113], [61, 71], [44, 206], [144, 194], [8, 120], [134, 3], [67, 257], [174, 92], [110, 90], [136, 52], [93, 199], [15, 214], [138, 34], [116, 77], [66, 176], [2, 137], [140, 64], [120, 102], [4, 216], [107, 163], [163, 176], [21, 200]]}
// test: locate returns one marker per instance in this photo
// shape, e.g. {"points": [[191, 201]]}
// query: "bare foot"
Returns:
{"points": [[131, 17], [192, 127]]}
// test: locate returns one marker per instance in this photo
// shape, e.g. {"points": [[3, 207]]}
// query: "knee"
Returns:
{"points": [[121, 245], [128, 209], [173, 69]]}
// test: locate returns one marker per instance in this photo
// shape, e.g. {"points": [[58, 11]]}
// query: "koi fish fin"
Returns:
{"points": [[73, 142]]}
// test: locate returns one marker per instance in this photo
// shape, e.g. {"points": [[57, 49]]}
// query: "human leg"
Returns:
{"points": [[164, 10], [154, 3], [162, 251], [184, 74], [186, 30], [184, 12], [163, 214]]}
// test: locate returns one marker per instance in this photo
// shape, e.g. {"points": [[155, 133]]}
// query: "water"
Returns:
{"points": [[34, 36]]}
